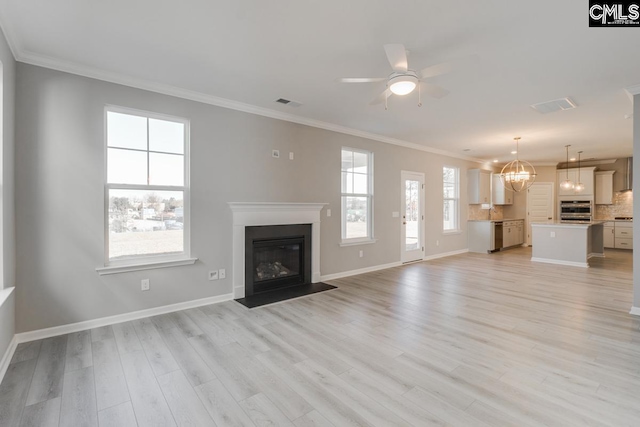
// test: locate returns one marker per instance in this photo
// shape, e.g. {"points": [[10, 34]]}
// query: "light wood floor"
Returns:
{"points": [[469, 340]]}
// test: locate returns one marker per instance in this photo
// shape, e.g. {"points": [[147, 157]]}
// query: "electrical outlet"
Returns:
{"points": [[328, 212], [361, 254], [213, 275], [553, 234], [144, 285], [222, 273], [437, 242], [291, 155]]}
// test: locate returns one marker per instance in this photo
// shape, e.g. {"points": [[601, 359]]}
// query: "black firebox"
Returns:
{"points": [[277, 256]]}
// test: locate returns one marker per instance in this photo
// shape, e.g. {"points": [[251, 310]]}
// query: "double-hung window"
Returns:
{"points": [[357, 195], [451, 198], [147, 187]]}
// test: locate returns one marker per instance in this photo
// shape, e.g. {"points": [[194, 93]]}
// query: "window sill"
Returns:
{"points": [[452, 232], [115, 269], [357, 242]]}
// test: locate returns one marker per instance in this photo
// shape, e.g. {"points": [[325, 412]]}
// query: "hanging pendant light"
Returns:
{"points": [[579, 185], [567, 184], [518, 175]]}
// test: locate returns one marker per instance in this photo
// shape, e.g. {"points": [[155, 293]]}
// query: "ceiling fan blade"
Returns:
{"points": [[434, 90], [381, 98], [436, 70], [361, 79], [397, 56]]}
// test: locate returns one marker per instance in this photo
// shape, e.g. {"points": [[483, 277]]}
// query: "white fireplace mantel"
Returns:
{"points": [[247, 214]]}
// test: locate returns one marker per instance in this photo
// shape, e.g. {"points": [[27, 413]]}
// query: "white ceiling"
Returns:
{"points": [[256, 51]]}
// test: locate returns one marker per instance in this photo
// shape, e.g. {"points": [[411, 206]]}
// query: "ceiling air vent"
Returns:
{"points": [[555, 105], [288, 102]]}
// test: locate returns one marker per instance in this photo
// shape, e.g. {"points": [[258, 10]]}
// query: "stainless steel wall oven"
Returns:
{"points": [[576, 210]]}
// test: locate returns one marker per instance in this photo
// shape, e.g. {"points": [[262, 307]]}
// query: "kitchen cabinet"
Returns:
{"points": [[499, 194], [513, 233], [609, 234], [624, 235], [479, 186], [586, 176], [604, 187]]}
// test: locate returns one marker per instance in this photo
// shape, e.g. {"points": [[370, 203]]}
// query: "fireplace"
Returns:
{"points": [[277, 256], [250, 214]]}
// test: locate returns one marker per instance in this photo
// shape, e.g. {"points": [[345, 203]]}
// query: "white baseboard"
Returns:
{"points": [[635, 311], [385, 266], [111, 320], [445, 254], [560, 262], [8, 355], [359, 271]]}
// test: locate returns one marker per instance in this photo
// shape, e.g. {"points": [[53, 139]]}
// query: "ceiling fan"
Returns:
{"points": [[403, 80]]}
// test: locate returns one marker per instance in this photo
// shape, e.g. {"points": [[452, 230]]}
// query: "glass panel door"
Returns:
{"points": [[412, 216]]}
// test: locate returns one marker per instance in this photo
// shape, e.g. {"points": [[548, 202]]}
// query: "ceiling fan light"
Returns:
{"points": [[403, 85]]}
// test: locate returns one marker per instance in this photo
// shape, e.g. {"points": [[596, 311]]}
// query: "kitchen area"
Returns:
{"points": [[601, 206]]}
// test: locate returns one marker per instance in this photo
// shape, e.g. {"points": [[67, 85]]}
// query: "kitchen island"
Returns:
{"points": [[567, 242]]}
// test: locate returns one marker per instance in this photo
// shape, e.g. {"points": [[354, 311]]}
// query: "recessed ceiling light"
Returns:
{"points": [[495, 161], [573, 159], [514, 152]]}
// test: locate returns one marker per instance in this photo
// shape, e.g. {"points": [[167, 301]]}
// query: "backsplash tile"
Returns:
{"points": [[622, 206], [476, 212]]}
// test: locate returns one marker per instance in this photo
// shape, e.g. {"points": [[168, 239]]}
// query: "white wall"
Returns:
{"points": [[59, 203], [7, 227], [636, 206]]}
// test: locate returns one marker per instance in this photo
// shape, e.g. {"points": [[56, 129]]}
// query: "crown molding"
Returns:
{"points": [[121, 79]]}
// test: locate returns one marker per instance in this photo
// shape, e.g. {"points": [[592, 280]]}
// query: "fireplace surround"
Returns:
{"points": [[250, 214]]}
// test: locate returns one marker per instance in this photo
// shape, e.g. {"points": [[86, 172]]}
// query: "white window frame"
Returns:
{"points": [[145, 262], [343, 211], [455, 199]]}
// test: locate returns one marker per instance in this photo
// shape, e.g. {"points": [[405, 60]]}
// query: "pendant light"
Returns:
{"points": [[517, 175], [567, 184], [579, 185]]}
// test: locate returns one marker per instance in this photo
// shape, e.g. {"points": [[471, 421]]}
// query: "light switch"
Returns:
{"points": [[328, 212], [553, 234]]}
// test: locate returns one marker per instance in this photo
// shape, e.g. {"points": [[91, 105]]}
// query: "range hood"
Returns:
{"points": [[628, 176]]}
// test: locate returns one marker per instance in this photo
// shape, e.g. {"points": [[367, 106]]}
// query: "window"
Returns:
{"points": [[147, 187], [357, 195], [451, 197]]}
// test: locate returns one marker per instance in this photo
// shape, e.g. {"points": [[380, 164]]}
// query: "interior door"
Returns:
{"points": [[540, 206], [412, 215]]}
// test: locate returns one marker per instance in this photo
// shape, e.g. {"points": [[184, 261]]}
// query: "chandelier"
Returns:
{"points": [[518, 175]]}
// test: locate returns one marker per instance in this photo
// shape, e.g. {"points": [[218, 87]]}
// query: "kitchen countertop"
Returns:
{"points": [[495, 220], [567, 223]]}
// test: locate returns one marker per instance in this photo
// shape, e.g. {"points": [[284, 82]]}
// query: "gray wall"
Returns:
{"points": [[59, 203], [7, 248]]}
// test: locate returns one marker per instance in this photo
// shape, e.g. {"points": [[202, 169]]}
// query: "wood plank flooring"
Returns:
{"points": [[468, 340]]}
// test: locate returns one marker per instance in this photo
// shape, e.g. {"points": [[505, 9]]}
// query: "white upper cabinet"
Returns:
{"points": [[499, 194], [604, 187], [586, 176], [479, 186]]}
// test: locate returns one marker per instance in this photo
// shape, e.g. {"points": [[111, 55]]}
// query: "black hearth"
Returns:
{"points": [[276, 257]]}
